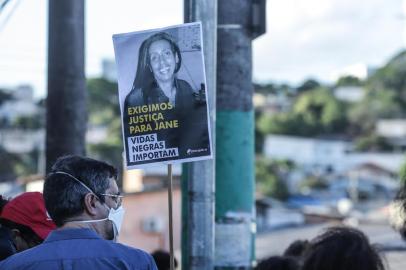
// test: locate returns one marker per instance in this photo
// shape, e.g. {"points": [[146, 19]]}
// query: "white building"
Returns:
{"points": [[394, 130], [22, 141], [24, 92], [22, 104], [109, 70], [324, 154], [391, 128], [306, 151], [349, 93], [272, 103]]}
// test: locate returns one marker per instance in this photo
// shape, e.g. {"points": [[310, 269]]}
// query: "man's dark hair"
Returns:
{"points": [[144, 76], [278, 263], [64, 196], [342, 248]]}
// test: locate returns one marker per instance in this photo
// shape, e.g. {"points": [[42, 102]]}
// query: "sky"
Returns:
{"points": [[320, 39]]}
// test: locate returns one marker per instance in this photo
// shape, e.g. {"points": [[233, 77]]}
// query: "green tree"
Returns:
{"points": [[402, 173], [15, 165], [349, 81], [385, 98], [372, 142], [104, 110], [377, 104], [320, 111], [309, 84], [270, 177], [28, 122], [315, 112], [272, 88], [265, 89], [103, 101], [283, 123], [391, 77]]}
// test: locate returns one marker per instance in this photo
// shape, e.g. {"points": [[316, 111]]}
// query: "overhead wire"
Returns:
{"points": [[11, 12], [3, 5]]}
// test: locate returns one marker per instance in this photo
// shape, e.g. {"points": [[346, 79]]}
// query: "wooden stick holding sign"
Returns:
{"points": [[172, 259]]}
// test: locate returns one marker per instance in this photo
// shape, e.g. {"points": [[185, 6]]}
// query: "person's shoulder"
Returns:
{"points": [[134, 254], [184, 88], [18, 260], [9, 263], [183, 84], [132, 250]]}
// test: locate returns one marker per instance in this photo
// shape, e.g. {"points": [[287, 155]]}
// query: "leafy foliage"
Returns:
{"points": [[372, 143], [320, 109], [14, 165], [349, 81], [28, 122], [309, 84], [391, 78], [272, 88], [377, 104], [270, 177], [103, 101], [402, 173], [104, 110], [315, 112]]}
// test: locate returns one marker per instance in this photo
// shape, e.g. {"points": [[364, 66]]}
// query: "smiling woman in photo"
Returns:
{"points": [[159, 60]]}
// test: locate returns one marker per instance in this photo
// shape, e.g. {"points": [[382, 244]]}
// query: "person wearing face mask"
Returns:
{"points": [[83, 200]]}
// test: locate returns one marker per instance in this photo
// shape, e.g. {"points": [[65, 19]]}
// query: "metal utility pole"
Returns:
{"points": [[239, 21], [66, 102], [198, 177]]}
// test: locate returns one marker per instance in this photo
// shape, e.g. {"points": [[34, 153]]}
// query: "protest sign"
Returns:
{"points": [[162, 95]]}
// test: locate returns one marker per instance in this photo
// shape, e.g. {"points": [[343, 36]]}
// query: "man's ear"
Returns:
{"points": [[15, 233], [18, 240], [90, 204]]}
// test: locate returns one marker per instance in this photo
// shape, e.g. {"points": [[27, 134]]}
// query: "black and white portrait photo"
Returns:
{"points": [[163, 95]]}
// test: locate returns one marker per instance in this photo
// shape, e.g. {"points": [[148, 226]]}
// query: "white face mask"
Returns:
{"points": [[116, 216]]}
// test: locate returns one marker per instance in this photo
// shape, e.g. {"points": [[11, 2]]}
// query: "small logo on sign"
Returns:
{"points": [[193, 151]]}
